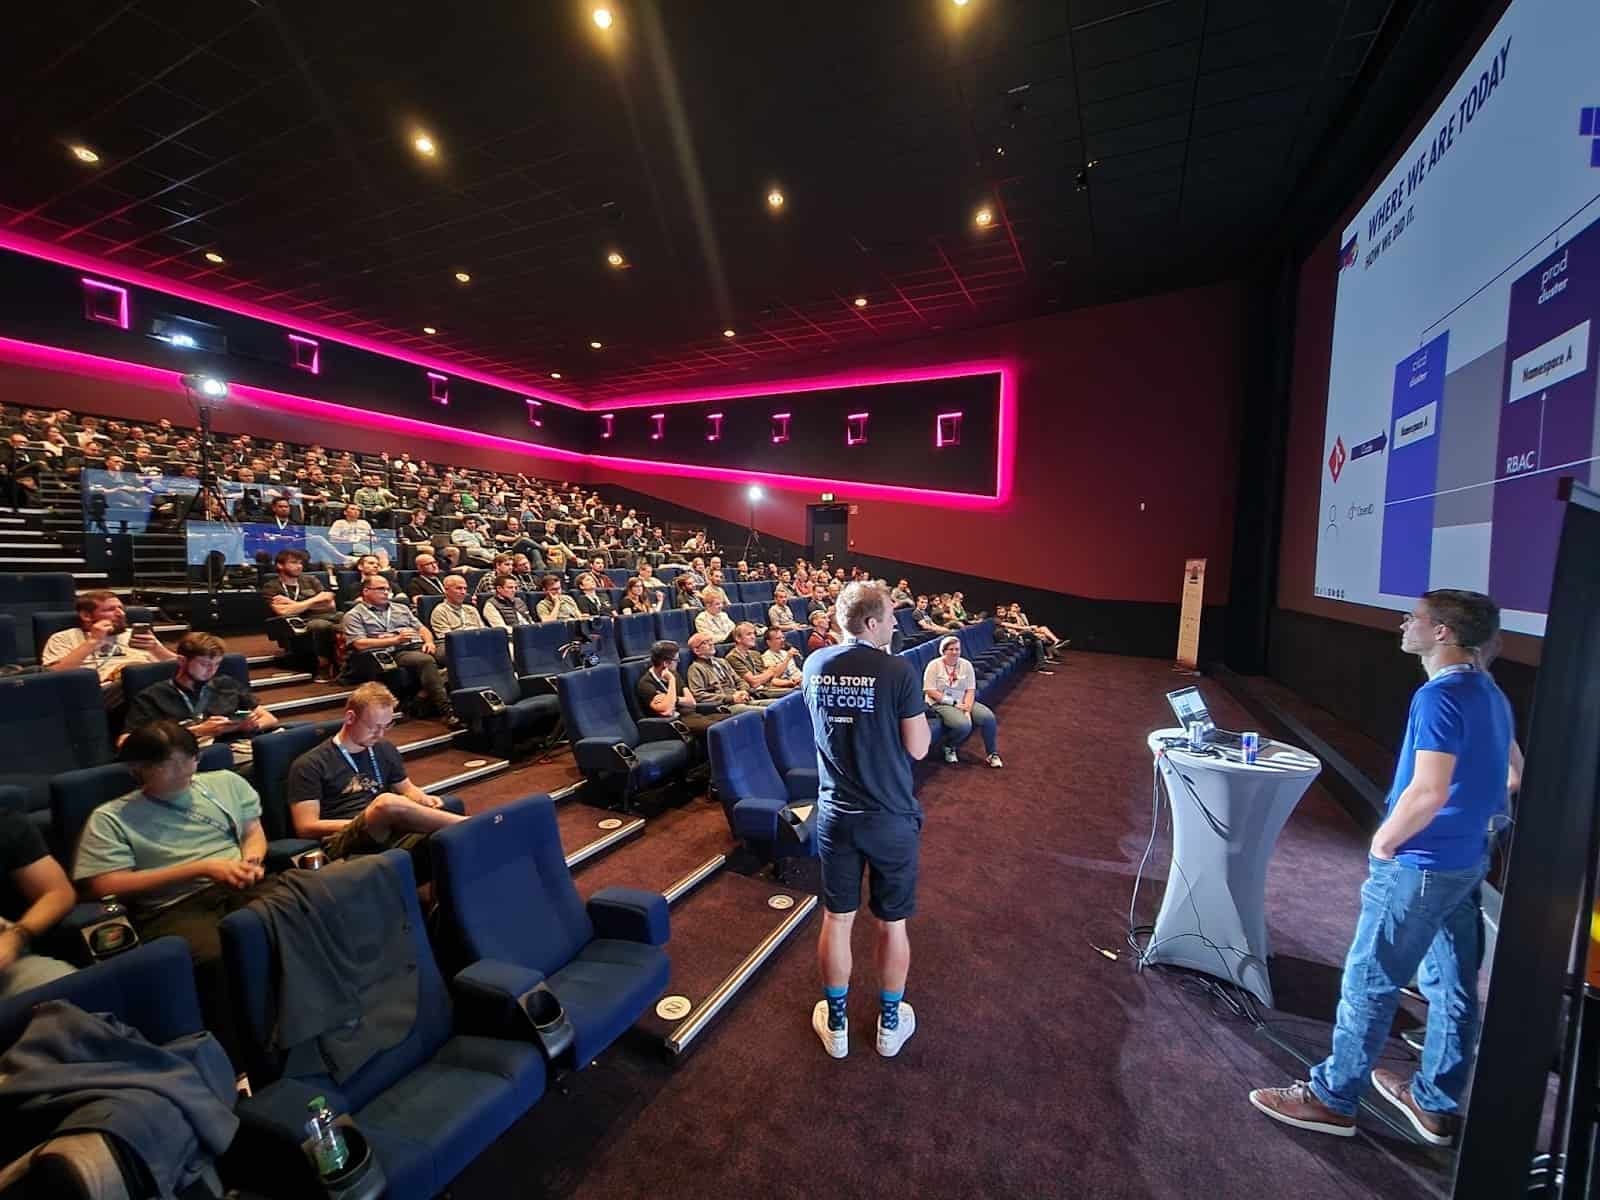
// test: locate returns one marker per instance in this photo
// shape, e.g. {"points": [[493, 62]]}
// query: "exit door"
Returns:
{"points": [[827, 530]]}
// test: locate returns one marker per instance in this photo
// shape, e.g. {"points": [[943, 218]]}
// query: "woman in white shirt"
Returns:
{"points": [[950, 686]]}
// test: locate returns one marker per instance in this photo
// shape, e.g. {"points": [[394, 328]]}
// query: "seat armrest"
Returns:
{"points": [[478, 704], [630, 915], [710, 710], [272, 1126], [67, 939], [281, 852], [454, 804], [756, 817], [663, 729], [603, 754], [486, 995], [537, 685]]}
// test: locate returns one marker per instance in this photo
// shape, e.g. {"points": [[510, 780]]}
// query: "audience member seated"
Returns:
{"points": [[712, 680], [213, 707], [781, 655], [292, 594], [763, 680], [556, 604], [711, 620], [779, 614], [283, 516], [503, 564], [474, 546], [380, 636], [505, 608], [368, 565], [35, 893], [375, 500], [714, 584], [415, 534], [926, 620], [684, 593], [427, 581], [661, 695], [591, 601], [637, 599], [454, 612], [648, 577], [522, 567], [350, 535], [1014, 619], [950, 686], [181, 851], [103, 643], [901, 595], [353, 792], [822, 633]]}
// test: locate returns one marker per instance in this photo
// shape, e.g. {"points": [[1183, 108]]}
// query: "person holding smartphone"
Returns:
{"points": [[103, 643], [211, 706]]}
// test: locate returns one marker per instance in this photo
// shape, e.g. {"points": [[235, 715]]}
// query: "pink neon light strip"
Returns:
{"points": [[121, 293], [76, 362], [315, 365]]}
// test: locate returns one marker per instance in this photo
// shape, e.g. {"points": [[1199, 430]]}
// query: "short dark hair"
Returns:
{"points": [[502, 579], [544, 584], [663, 652], [151, 745], [289, 555], [195, 644], [87, 602], [1472, 616]]}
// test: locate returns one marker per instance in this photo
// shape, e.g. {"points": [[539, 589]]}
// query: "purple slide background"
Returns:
{"points": [[1413, 471], [1527, 515]]}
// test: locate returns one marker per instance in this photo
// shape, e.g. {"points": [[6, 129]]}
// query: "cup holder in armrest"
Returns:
{"points": [[552, 1028], [361, 1177]]}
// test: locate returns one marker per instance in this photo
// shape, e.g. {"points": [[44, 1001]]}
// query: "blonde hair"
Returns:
{"points": [[370, 695]]}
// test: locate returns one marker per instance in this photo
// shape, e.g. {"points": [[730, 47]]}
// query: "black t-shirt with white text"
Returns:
{"points": [[323, 774], [857, 696]]}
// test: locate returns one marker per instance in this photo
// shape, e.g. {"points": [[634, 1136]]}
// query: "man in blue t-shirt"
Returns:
{"points": [[869, 720], [1419, 905]]}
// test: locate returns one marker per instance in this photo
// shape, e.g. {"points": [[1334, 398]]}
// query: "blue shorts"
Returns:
{"points": [[885, 844]]}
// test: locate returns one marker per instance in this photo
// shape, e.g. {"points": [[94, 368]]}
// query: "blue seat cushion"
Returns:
{"points": [[531, 711], [800, 783], [431, 1123], [606, 989], [657, 760]]}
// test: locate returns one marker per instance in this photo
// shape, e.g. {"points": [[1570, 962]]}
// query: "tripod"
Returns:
{"points": [[752, 541]]}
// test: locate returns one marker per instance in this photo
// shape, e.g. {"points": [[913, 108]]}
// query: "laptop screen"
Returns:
{"points": [[1189, 707]]}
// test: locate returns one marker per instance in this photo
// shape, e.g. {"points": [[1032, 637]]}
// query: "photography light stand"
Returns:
{"points": [[206, 393], [752, 541]]}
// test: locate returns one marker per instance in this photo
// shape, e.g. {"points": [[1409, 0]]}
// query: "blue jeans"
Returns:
{"points": [[958, 725], [1419, 921]]}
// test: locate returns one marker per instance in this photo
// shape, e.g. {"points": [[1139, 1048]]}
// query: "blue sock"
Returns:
{"points": [[890, 1019], [836, 1006]]}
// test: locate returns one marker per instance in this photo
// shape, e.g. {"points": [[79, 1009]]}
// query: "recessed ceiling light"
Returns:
{"points": [[1000, 151], [429, 330], [85, 155], [960, 3], [614, 258], [424, 145], [555, 374], [594, 345], [983, 218], [860, 301], [463, 277], [213, 257], [727, 333], [602, 18], [775, 199]]}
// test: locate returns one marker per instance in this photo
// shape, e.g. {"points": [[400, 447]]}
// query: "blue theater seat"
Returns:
{"points": [[76, 794], [508, 908], [907, 625], [425, 607], [11, 651], [427, 1105], [759, 592], [50, 723], [793, 746], [754, 797], [538, 648], [675, 625], [23, 595], [47, 623], [798, 638], [619, 755], [271, 755], [138, 676], [800, 607], [636, 632], [481, 678]]}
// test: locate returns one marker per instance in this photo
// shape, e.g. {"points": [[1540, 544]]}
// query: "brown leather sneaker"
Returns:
{"points": [[1298, 1105], [1437, 1129]]}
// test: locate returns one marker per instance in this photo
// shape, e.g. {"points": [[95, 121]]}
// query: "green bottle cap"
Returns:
{"points": [[316, 1104]]}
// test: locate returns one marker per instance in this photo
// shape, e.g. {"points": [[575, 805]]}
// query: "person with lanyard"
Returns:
{"points": [[102, 642], [504, 564], [182, 850], [591, 601], [293, 595], [453, 613], [950, 685], [375, 630], [660, 694], [556, 605], [869, 722], [353, 793], [714, 681], [416, 533], [426, 579], [212, 706], [1420, 902], [636, 599], [505, 608], [768, 680]]}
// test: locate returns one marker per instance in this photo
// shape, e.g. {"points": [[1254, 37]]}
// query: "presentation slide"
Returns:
{"points": [[1463, 385]]}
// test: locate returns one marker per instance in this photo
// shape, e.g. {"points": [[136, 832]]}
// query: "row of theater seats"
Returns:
{"points": [[519, 980]]}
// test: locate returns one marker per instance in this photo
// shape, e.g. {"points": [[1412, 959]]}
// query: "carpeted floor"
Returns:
{"points": [[1039, 1068]]}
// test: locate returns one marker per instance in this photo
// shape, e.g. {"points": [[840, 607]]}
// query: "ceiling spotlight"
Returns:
{"points": [[424, 145], [615, 259], [983, 218], [602, 18], [774, 199], [999, 151], [860, 302], [960, 3], [85, 155], [555, 374], [1081, 179], [213, 257], [207, 387], [594, 345], [429, 330], [463, 277], [755, 493], [727, 333]]}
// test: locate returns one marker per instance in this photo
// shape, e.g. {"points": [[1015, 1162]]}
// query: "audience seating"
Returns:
{"points": [[636, 633], [754, 797], [538, 648], [675, 625], [23, 595], [801, 608], [271, 755], [50, 722], [428, 1105], [48, 623], [508, 907], [11, 654], [425, 606], [799, 638], [619, 755], [75, 794], [138, 676], [488, 694]]}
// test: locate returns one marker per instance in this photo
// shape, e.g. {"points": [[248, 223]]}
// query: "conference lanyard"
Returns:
{"points": [[372, 755], [230, 830], [296, 595], [953, 674]]}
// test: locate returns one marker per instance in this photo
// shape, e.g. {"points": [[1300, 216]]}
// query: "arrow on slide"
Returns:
{"points": [[1375, 446]]}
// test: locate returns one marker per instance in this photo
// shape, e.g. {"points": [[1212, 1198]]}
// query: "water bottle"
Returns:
{"points": [[327, 1143]]}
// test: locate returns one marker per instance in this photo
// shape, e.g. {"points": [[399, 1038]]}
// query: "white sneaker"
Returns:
{"points": [[890, 1040], [835, 1041], [950, 754], [994, 761]]}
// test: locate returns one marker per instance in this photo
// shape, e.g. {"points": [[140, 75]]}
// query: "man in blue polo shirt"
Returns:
{"points": [[869, 720], [1419, 905]]}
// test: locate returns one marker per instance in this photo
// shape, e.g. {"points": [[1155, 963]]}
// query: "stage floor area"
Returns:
{"points": [[1039, 1068]]}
